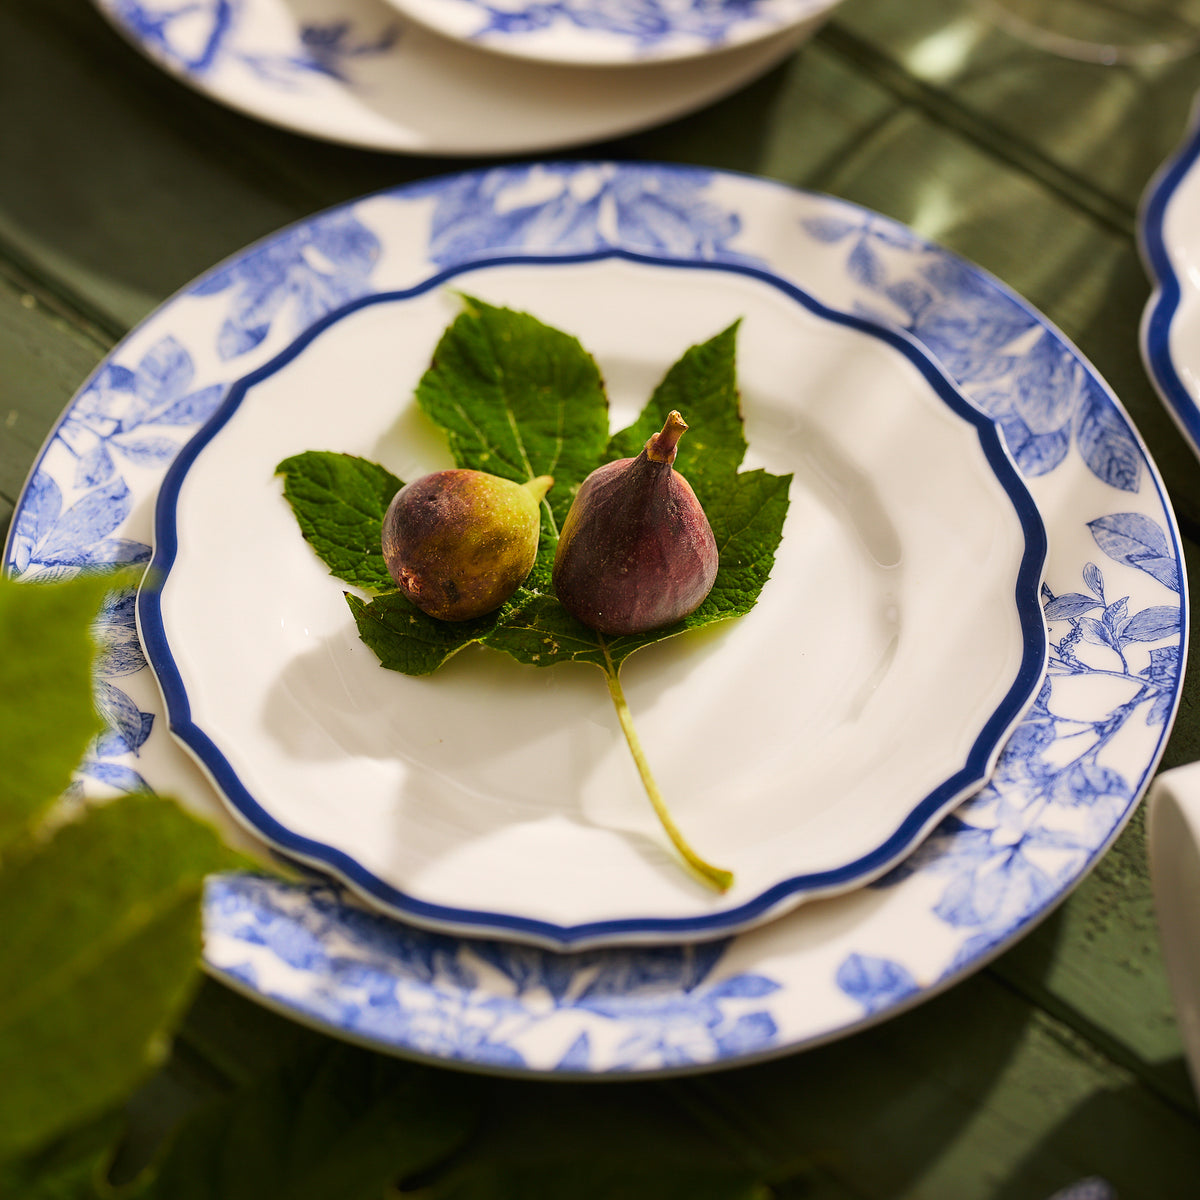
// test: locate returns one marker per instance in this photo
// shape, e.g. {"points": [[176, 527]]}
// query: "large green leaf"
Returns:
{"points": [[100, 949], [46, 709], [340, 501], [517, 398], [492, 389]]}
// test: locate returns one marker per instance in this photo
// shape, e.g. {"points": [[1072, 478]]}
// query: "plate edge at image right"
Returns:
{"points": [[1164, 240], [1067, 782]]}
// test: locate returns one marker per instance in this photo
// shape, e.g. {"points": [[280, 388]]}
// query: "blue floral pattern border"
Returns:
{"points": [[201, 37], [1067, 781], [612, 31]]}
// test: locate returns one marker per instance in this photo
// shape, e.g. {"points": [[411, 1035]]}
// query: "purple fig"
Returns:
{"points": [[636, 551], [458, 543]]}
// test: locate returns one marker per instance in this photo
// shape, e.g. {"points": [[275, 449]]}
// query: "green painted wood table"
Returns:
{"points": [[1058, 1061]]}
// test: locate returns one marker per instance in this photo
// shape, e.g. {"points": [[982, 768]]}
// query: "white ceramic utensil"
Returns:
{"points": [[1174, 843]]}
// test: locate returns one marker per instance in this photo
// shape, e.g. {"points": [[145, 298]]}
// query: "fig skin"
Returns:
{"points": [[636, 551], [458, 543]]}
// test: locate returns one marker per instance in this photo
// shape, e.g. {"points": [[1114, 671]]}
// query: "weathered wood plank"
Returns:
{"points": [[1108, 127], [43, 360], [109, 187], [972, 1095]]}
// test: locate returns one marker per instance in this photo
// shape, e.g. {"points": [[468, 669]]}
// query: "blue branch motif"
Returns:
{"points": [[199, 37], [646, 24], [1017, 371], [1007, 850], [376, 975]]}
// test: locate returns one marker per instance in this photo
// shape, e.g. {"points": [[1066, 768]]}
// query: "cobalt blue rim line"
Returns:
{"points": [[974, 771], [1157, 329]]}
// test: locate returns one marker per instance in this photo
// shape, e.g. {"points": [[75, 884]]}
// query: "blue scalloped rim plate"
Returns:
{"points": [[996, 682]]}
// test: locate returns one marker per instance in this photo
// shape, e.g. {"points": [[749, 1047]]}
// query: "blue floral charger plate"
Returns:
{"points": [[1169, 236], [613, 32], [357, 72], [1065, 784]]}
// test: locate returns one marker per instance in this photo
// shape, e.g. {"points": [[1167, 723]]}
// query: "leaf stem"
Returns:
{"points": [[715, 877]]}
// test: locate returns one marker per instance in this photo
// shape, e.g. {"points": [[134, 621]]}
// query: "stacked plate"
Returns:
{"points": [[944, 706], [467, 76]]}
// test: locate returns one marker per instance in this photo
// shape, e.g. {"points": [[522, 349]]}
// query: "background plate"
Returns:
{"points": [[1067, 782], [353, 71]]}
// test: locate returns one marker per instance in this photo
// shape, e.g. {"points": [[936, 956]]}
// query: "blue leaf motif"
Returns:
{"points": [[83, 524], [1136, 541], [1072, 604], [1095, 632], [1152, 624], [1047, 386], [864, 265], [192, 409], [146, 451], [120, 713], [1085, 782], [95, 466], [164, 374], [1164, 665], [746, 986], [578, 1055], [750, 1032], [117, 550], [115, 775], [830, 229], [113, 745], [40, 510], [876, 983], [1105, 441], [234, 339], [1093, 577], [1035, 454]]}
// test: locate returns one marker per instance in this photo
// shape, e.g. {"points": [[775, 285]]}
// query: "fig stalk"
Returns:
{"points": [[715, 877]]}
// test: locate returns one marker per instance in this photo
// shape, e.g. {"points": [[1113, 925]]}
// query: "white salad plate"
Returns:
{"points": [[354, 71], [613, 32], [1065, 784], [806, 746], [1169, 238]]}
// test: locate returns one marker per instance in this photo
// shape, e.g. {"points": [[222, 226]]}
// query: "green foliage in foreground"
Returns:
{"points": [[99, 907]]}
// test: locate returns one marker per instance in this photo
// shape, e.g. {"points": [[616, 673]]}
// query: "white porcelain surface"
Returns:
{"points": [[805, 746], [1065, 785], [613, 32], [1174, 844], [354, 71]]}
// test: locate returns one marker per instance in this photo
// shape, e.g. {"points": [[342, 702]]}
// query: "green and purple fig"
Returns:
{"points": [[636, 551], [458, 543]]}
